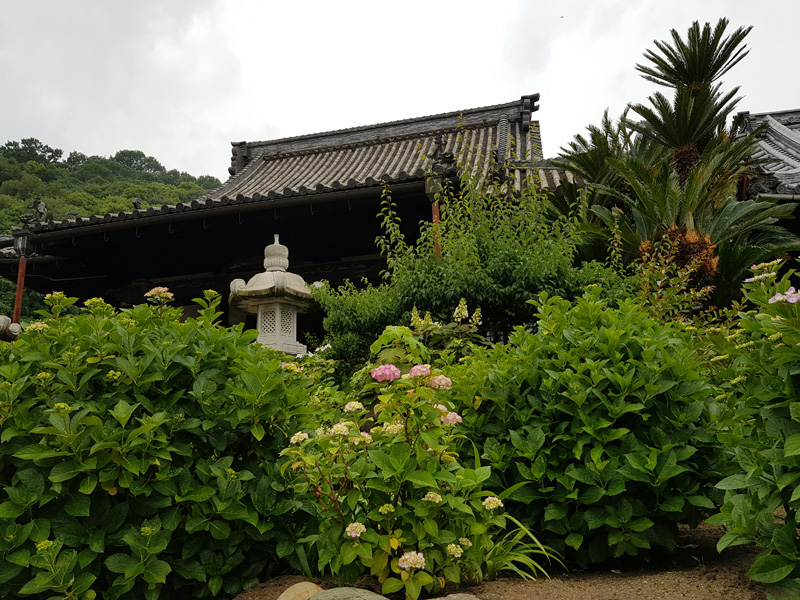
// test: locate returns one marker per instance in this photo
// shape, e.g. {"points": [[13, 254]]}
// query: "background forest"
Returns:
{"points": [[86, 185]]}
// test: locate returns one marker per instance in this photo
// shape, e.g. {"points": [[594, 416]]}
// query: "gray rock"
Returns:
{"points": [[457, 597], [300, 591], [347, 593]]}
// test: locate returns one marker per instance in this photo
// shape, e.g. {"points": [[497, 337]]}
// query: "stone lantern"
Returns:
{"points": [[276, 297]]}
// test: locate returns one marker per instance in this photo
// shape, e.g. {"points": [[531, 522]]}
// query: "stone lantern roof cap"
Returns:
{"points": [[275, 284]]}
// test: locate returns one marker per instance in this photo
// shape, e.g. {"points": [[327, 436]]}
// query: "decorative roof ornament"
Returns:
{"points": [[444, 163], [39, 214], [276, 297]]}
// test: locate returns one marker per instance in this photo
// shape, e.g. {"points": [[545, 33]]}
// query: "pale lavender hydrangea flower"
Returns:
{"points": [[451, 418], [440, 382], [298, 437], [411, 560]]}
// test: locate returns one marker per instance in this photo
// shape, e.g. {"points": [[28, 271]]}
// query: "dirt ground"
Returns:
{"points": [[694, 572]]}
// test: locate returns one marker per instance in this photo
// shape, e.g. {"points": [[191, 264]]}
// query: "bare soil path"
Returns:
{"points": [[694, 572]]}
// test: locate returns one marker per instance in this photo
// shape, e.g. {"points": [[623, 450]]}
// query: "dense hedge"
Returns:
{"points": [[758, 362], [138, 455], [600, 416]]}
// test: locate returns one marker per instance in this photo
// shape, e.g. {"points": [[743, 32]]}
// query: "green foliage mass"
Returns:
{"points": [[674, 168], [494, 246], [138, 455], [387, 486], [600, 416], [31, 301], [86, 185], [758, 362]]}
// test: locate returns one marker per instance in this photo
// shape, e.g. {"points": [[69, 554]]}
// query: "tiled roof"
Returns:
{"points": [[308, 166], [778, 148]]}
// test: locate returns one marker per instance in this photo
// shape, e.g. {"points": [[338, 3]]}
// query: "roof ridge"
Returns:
{"points": [[347, 130]]}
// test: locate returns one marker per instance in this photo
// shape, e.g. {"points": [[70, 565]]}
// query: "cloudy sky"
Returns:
{"points": [[179, 80]]}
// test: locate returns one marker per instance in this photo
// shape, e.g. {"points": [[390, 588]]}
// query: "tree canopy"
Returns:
{"points": [[86, 185]]}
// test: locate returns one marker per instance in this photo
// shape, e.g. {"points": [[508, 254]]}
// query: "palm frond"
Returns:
{"points": [[696, 63]]}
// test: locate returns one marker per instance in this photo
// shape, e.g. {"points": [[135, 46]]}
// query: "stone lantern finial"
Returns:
{"points": [[276, 296], [276, 256]]}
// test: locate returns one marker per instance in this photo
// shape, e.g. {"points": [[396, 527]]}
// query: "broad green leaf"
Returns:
{"points": [[792, 445], [422, 478], [38, 452], [156, 571], [220, 530], [215, 585], [771, 568], [78, 505], [733, 482], [392, 585]]}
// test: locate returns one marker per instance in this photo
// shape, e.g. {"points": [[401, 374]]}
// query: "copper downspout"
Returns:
{"points": [[23, 262]]}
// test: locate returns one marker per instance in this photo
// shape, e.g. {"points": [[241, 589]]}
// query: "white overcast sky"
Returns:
{"points": [[179, 80]]}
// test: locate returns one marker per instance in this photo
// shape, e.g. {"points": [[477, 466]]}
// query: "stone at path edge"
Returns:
{"points": [[300, 591], [347, 593]]}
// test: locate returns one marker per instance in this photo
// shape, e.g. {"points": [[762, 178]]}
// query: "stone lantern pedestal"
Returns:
{"points": [[275, 297]]}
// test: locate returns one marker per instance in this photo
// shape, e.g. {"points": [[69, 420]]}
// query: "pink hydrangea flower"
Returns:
{"points": [[420, 371], [440, 382], [441, 408], [451, 418], [386, 373]]}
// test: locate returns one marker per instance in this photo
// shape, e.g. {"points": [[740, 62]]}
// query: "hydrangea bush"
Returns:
{"points": [[598, 419], [393, 499], [758, 362], [137, 454]]}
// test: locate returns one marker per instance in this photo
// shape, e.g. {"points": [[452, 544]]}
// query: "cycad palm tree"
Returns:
{"points": [[699, 61], [685, 125], [719, 235]]}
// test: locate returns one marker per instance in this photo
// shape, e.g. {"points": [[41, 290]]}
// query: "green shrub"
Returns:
{"points": [[392, 498], [759, 366], [138, 454], [600, 417]]}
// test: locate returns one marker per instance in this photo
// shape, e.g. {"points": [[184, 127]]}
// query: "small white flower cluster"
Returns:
{"points": [[760, 277], [340, 429], [393, 428], [432, 497], [354, 530], [492, 502], [766, 265], [365, 437], [455, 550], [411, 560], [353, 406], [298, 437], [461, 311]]}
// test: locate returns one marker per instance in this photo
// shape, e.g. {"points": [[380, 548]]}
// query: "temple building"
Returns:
{"points": [[321, 193], [778, 155]]}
